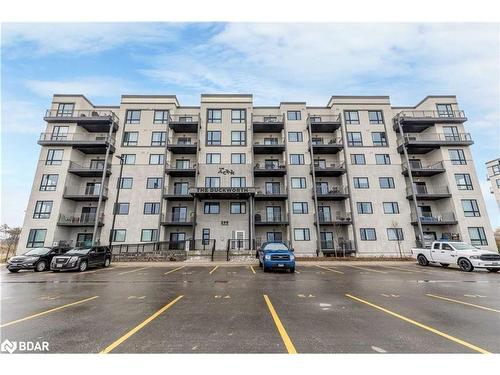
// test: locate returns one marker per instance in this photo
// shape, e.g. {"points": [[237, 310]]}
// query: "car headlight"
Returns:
{"points": [[475, 256], [73, 259], [292, 257], [267, 257], [31, 259]]}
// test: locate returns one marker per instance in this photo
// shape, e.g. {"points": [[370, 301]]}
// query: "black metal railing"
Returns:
{"points": [[431, 114], [93, 113], [337, 248]]}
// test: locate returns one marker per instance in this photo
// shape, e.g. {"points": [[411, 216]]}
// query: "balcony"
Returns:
{"points": [[337, 248], [85, 193], [88, 169], [177, 194], [447, 218], [429, 193], [334, 193], [88, 143], [328, 170], [340, 218], [268, 170], [178, 219], [268, 123], [182, 147], [324, 123], [80, 220], [424, 143], [327, 146], [179, 170], [419, 170], [184, 123], [222, 192], [92, 120], [271, 195], [276, 146], [417, 121], [270, 220]]}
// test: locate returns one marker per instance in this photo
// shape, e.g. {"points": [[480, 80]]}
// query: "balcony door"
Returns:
{"points": [[271, 163], [416, 163], [177, 241], [181, 188], [88, 214], [326, 239], [182, 164], [420, 187], [84, 239], [179, 214], [425, 212], [320, 163], [92, 188], [325, 213], [272, 187], [97, 164], [273, 213], [274, 236], [321, 187], [270, 141]]}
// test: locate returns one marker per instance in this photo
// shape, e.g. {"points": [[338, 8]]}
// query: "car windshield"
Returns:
{"points": [[462, 246], [38, 251], [81, 251], [275, 246]]}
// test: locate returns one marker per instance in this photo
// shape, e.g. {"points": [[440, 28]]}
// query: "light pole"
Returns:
{"points": [[116, 200]]}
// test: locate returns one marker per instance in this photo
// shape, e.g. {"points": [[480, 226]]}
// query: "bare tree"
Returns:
{"points": [[9, 238], [395, 226]]}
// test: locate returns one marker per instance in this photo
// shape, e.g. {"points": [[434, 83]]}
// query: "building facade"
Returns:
{"points": [[357, 176], [493, 175]]}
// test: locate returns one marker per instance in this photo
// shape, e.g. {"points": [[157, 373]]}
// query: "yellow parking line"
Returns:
{"points": [[281, 329], [464, 303], [140, 326], [48, 311], [138, 269], [366, 269], [430, 329], [175, 269], [253, 271], [101, 269], [403, 269], [213, 270], [329, 269]]}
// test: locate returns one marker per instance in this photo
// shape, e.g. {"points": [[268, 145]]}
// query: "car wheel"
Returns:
{"points": [[107, 262], [493, 269], [465, 265], [422, 260], [41, 266], [13, 270], [444, 264], [83, 266], [292, 270]]}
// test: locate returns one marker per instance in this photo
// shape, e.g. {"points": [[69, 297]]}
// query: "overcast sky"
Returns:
{"points": [[275, 62]]}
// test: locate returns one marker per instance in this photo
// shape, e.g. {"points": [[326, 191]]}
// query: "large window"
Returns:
{"points": [[65, 109], [154, 182], [368, 234], [130, 138], [151, 208], [395, 234], [238, 116], [212, 182], [296, 159], [238, 207], [149, 235], [126, 183], [379, 139], [382, 159], [364, 207], [49, 182], [211, 208], [293, 115], [133, 116], [351, 117], [213, 158], [122, 208], [300, 208], [301, 234], [477, 236], [238, 138], [358, 159], [463, 181], [214, 138], [295, 136], [156, 159], [158, 139], [444, 110], [238, 182], [299, 183], [161, 117], [391, 207], [54, 157], [375, 117], [128, 158], [354, 139], [36, 237], [361, 183], [457, 157], [386, 182], [119, 235], [471, 209], [214, 116], [42, 210]]}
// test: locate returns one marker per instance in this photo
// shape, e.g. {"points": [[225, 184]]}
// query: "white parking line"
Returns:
{"points": [[137, 269]]}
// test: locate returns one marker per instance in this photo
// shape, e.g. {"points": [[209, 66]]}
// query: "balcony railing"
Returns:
{"points": [[76, 137], [415, 165], [332, 190], [89, 167], [181, 166], [435, 218], [337, 248], [416, 114], [318, 119], [275, 218], [182, 141], [185, 119], [85, 191], [96, 114], [428, 190], [269, 167], [319, 141], [338, 165], [178, 218], [268, 119], [337, 217], [435, 137], [80, 219]]}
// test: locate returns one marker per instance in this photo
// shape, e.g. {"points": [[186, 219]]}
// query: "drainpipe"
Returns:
{"points": [[116, 200], [315, 196]]}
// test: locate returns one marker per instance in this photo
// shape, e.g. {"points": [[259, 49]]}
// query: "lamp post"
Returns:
{"points": [[116, 200]]}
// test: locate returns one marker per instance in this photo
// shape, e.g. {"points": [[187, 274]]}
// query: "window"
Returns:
{"points": [[379, 139], [361, 183], [386, 182], [464, 181], [495, 169], [300, 208], [238, 207], [161, 117], [238, 116], [126, 183], [457, 157], [295, 136], [54, 157], [364, 207], [118, 235], [36, 238], [477, 236], [205, 236], [498, 182], [238, 182], [133, 117], [444, 110], [49, 182], [238, 138], [395, 234], [151, 208], [238, 158], [212, 182], [301, 234], [382, 159], [298, 183], [214, 116], [128, 158], [42, 210], [354, 139], [211, 208], [391, 207], [122, 208], [375, 117], [130, 138], [471, 209], [158, 139], [213, 138], [59, 133], [181, 188], [293, 115], [154, 183], [368, 234], [149, 235], [65, 109], [358, 159], [297, 159], [351, 117], [156, 159], [213, 158]]}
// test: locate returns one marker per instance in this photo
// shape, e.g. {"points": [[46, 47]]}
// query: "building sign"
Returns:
{"points": [[235, 190], [225, 171]]}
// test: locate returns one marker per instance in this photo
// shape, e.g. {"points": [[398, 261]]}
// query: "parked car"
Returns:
{"points": [[466, 256], [37, 259], [276, 255], [82, 258]]}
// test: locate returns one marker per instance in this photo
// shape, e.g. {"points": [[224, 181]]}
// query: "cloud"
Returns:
{"points": [[19, 116], [491, 204]]}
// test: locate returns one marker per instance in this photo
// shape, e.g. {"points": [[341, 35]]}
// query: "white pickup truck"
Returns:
{"points": [[466, 256]]}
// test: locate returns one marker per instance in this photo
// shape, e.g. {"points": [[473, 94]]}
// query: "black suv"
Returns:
{"points": [[37, 259], [82, 258]]}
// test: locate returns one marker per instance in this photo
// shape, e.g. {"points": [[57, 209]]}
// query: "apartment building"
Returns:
{"points": [[357, 176], [493, 175]]}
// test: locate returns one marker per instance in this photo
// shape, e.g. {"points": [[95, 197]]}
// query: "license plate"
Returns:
{"points": [[281, 265], [494, 264], [59, 265]]}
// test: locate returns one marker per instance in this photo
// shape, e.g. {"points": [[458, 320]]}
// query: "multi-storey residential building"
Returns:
{"points": [[357, 176], [493, 175]]}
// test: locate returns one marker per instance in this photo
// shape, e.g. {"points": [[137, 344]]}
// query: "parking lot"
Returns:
{"points": [[382, 307]]}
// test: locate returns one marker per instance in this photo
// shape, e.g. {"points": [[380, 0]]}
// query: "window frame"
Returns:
{"points": [[240, 119], [40, 211], [45, 187], [32, 238], [153, 235], [130, 119], [351, 142], [483, 240], [51, 154], [360, 208], [211, 141], [363, 234], [164, 119], [393, 205], [297, 115], [301, 179], [357, 185], [126, 139], [306, 234], [154, 208], [354, 159], [158, 179], [349, 120], [240, 205], [379, 120], [389, 179], [211, 205]]}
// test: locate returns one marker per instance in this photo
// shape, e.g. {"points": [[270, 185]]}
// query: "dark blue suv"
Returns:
{"points": [[276, 255]]}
